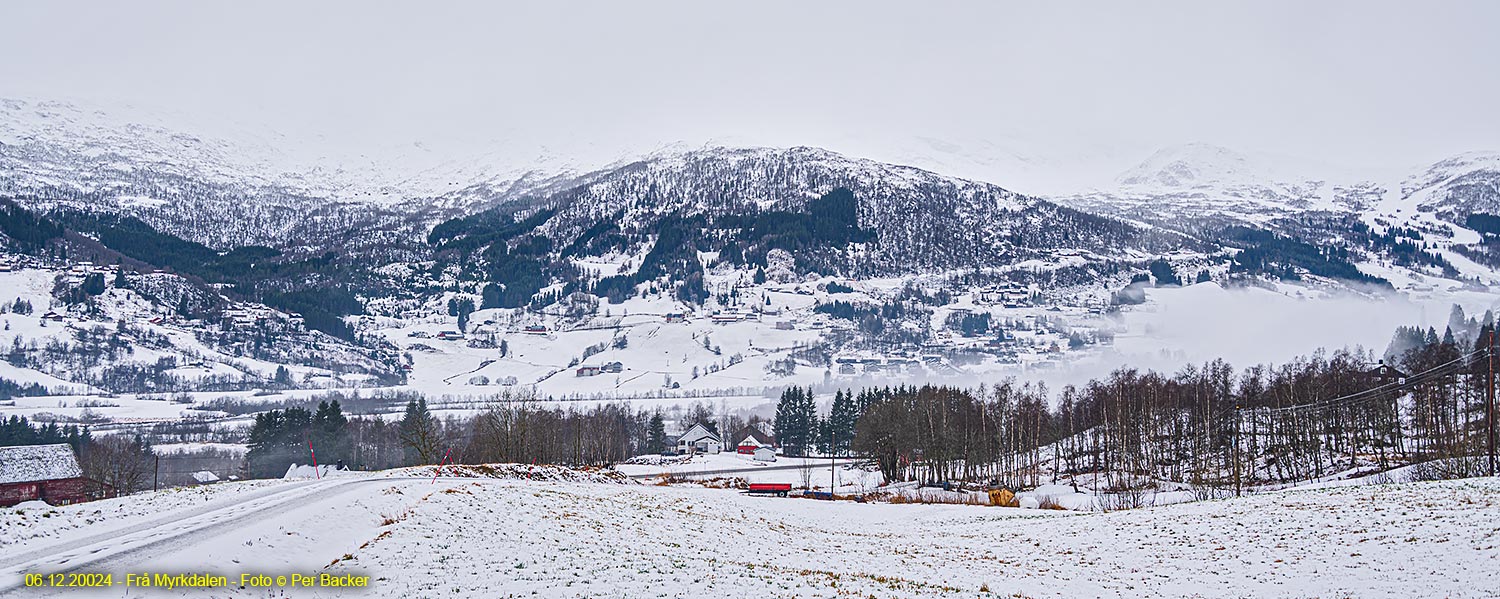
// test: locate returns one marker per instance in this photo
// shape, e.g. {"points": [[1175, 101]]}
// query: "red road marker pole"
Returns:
{"points": [[315, 460], [440, 465]]}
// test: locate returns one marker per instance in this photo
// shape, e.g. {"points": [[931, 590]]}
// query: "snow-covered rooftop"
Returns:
{"points": [[26, 463]]}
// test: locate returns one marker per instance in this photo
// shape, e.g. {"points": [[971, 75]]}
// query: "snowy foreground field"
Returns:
{"points": [[464, 537]]}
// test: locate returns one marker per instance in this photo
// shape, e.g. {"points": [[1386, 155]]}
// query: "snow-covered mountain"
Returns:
{"points": [[878, 254], [1207, 181], [91, 149], [1212, 183], [919, 219], [225, 183], [1415, 219], [1456, 187]]}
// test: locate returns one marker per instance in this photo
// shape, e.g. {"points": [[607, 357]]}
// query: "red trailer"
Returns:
{"points": [[778, 489]]}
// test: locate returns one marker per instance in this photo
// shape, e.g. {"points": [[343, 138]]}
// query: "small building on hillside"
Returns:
{"points": [[47, 473], [698, 439], [589, 371]]}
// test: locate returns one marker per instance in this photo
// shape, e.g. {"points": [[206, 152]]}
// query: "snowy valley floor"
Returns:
{"points": [[499, 538]]}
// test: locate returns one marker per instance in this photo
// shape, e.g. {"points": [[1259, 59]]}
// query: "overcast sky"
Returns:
{"points": [[1372, 83]]}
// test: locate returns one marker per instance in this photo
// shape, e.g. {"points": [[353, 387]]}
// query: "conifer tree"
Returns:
{"points": [[796, 420], [419, 434], [841, 420], [656, 434]]}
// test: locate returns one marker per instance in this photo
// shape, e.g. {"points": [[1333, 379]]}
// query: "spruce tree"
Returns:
{"points": [[656, 434], [283, 377], [327, 433], [796, 420], [94, 284], [841, 420], [419, 434], [785, 423]]}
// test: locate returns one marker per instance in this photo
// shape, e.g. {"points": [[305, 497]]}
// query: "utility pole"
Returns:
{"points": [[156, 471], [1489, 402], [1237, 424], [316, 473]]}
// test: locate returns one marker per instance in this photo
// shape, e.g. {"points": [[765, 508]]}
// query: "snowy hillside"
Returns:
{"points": [[1202, 180], [418, 536], [1457, 187], [920, 219], [133, 339], [50, 144], [782, 265], [225, 183], [1399, 225]]}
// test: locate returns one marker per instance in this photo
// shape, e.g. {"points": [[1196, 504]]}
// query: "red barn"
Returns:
{"points": [[47, 473], [752, 438]]}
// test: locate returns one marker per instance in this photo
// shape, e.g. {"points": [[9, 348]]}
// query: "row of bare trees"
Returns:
{"points": [[521, 431], [1204, 427], [508, 427], [525, 432]]}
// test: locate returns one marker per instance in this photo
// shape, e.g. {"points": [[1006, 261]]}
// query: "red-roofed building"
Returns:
{"points": [[752, 438]]}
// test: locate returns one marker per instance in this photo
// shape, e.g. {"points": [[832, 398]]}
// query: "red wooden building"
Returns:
{"points": [[47, 473], [751, 438]]}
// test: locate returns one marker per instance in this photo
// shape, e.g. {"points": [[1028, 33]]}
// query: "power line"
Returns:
{"points": [[1409, 381]]}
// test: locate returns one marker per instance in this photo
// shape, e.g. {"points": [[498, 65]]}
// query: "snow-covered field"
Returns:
{"points": [[818, 472], [467, 537]]}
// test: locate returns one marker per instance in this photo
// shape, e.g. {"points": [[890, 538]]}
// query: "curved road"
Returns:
{"points": [[274, 530], [196, 532]]}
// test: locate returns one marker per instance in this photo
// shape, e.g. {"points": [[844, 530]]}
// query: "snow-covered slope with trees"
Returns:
{"points": [[1206, 181], [920, 219], [883, 259]]}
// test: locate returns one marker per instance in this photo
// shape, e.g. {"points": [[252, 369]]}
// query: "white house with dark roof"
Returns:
{"points": [[698, 439]]}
